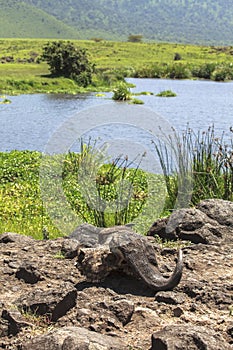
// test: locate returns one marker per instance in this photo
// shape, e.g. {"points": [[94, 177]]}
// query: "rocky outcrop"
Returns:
{"points": [[46, 302], [177, 337], [211, 222]]}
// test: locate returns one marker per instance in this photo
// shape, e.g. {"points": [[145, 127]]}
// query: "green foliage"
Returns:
{"points": [[136, 101], [4, 100], [204, 71], [21, 209], [195, 166], [118, 191], [122, 92], [64, 59], [168, 20], [199, 164], [106, 194], [166, 93]]}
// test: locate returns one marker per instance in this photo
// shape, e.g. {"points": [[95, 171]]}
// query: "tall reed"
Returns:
{"points": [[196, 166]]}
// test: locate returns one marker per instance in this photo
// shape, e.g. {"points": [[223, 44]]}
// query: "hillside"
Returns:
{"points": [[187, 21], [22, 20], [205, 21]]}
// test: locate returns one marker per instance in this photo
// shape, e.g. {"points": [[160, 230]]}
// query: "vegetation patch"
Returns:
{"points": [[122, 92], [166, 93], [23, 71], [4, 100], [195, 166], [136, 101]]}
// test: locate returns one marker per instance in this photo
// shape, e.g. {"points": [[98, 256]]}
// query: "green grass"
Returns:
{"points": [[20, 19], [114, 61], [117, 195]]}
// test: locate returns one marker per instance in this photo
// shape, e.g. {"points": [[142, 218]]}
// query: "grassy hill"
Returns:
{"points": [[22, 20], [200, 22]]}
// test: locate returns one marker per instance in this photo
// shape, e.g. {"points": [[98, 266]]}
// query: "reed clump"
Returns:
{"points": [[196, 166]]}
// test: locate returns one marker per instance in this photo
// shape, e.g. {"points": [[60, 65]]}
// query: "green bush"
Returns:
{"points": [[64, 59], [203, 71], [121, 92], [177, 71]]}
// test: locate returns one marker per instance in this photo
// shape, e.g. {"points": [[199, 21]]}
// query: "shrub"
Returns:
{"points": [[122, 92], [177, 71], [219, 74], [64, 59], [136, 101], [204, 71], [177, 57]]}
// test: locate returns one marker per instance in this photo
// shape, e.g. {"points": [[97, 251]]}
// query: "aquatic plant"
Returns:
{"points": [[122, 92], [166, 93], [136, 101]]}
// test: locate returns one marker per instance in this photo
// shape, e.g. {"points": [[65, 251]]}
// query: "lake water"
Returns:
{"points": [[30, 120]]}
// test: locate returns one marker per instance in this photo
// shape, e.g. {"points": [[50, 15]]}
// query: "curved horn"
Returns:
{"points": [[144, 265]]}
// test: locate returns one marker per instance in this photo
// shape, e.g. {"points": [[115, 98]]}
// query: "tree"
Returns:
{"points": [[135, 38], [64, 59]]}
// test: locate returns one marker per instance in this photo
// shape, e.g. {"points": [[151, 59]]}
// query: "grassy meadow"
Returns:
{"points": [[114, 61]]}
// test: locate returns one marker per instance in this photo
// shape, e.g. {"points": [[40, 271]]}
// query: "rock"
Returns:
{"points": [[4, 329], [230, 331], [15, 321], [10, 237], [86, 234], [70, 248], [74, 338], [170, 298], [177, 311], [183, 337], [193, 289], [219, 210], [211, 222], [28, 273], [27, 309], [123, 309], [55, 303]]}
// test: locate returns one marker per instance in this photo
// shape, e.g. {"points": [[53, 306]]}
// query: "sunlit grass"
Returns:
{"points": [[121, 58]]}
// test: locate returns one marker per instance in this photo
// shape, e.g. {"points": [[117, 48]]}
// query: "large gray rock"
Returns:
{"points": [[74, 338], [186, 337], [219, 210], [11, 237], [210, 223]]}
